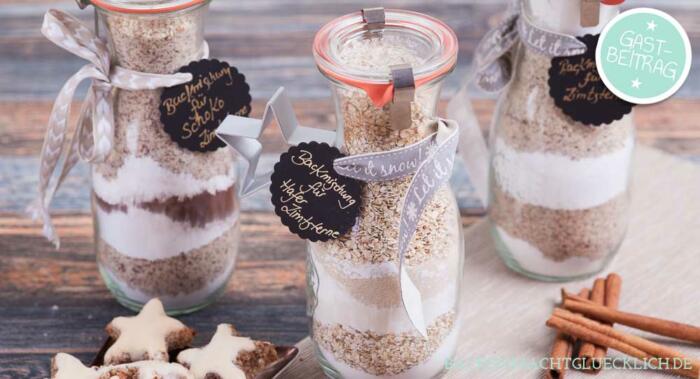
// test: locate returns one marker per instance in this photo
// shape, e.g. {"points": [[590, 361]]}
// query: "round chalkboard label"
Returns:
{"points": [[311, 198], [576, 87], [192, 111]]}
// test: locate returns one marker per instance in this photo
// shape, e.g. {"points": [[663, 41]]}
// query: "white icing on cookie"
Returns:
{"points": [[143, 336], [69, 367], [219, 356], [154, 370]]}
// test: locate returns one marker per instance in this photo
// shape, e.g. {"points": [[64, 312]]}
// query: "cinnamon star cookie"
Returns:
{"points": [[146, 336], [65, 366], [228, 356]]}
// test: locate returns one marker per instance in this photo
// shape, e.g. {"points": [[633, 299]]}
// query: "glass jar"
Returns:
{"points": [[166, 218], [359, 326], [559, 190]]}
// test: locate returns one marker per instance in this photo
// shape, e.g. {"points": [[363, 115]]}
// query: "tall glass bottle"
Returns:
{"points": [[359, 325], [559, 190], [166, 218]]}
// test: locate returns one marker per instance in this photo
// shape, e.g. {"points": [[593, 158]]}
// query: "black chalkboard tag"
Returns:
{"points": [[311, 198], [191, 112], [576, 87]]}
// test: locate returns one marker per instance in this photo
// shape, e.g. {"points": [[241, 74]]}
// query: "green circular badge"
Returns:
{"points": [[643, 56]]}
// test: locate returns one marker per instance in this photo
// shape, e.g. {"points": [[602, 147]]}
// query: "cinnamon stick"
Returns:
{"points": [[587, 349], [654, 325], [613, 287], [562, 349], [604, 335]]}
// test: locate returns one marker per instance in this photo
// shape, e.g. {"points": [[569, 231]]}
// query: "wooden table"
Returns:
{"points": [[53, 301]]}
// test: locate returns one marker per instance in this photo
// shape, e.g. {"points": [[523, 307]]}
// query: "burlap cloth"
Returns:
{"points": [[504, 335]]}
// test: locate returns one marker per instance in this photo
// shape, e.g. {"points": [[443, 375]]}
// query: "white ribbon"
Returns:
{"points": [[93, 137]]}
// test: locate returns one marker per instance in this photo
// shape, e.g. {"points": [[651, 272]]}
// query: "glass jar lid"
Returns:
{"points": [[352, 50], [143, 6]]}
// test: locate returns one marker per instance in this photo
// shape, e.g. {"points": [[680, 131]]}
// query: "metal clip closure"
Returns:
{"points": [[82, 4], [590, 13], [373, 17], [404, 93]]}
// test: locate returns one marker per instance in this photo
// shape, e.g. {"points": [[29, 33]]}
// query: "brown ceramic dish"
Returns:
{"points": [[286, 355]]}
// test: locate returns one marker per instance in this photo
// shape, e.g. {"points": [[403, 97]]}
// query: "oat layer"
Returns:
{"points": [[382, 354], [374, 238]]}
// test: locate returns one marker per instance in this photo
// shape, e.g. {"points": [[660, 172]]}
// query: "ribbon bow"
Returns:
{"points": [[94, 132]]}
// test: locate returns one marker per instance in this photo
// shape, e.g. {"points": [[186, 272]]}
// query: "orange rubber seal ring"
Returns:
{"points": [[174, 8], [383, 93]]}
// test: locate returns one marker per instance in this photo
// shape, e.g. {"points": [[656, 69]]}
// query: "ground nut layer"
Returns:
{"points": [[562, 234], [184, 273], [158, 45], [382, 354], [139, 134], [530, 121]]}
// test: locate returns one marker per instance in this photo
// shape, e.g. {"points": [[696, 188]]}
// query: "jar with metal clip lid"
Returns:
{"points": [[386, 68]]}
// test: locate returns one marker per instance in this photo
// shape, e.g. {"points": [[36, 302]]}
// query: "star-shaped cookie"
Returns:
{"points": [[65, 366], [228, 356], [146, 336]]}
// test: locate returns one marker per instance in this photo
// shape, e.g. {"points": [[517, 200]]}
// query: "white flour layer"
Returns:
{"points": [[531, 259], [337, 306], [559, 182], [139, 233], [143, 180], [434, 365]]}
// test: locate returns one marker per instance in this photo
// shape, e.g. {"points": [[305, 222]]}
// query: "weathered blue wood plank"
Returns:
{"points": [[271, 47]]}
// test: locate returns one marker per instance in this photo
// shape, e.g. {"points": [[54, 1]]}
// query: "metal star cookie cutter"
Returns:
{"points": [[243, 135]]}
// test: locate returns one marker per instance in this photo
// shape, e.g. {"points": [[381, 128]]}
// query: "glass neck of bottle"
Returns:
{"points": [[564, 16]]}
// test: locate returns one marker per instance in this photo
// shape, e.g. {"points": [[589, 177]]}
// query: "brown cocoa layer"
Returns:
{"points": [[197, 211], [182, 274], [561, 234], [529, 120]]}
